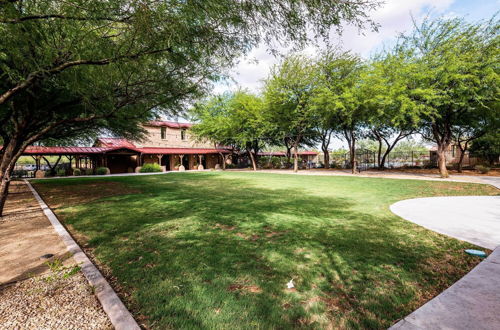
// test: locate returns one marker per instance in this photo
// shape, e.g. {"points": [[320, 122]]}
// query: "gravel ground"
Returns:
{"points": [[61, 299]]}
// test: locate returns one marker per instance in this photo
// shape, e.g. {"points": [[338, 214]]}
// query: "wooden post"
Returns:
{"points": [[159, 159]]}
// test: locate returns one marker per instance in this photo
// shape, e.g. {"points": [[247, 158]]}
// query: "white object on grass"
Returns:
{"points": [[290, 284]]}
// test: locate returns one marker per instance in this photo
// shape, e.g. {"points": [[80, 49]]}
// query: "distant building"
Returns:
{"points": [[168, 144]]}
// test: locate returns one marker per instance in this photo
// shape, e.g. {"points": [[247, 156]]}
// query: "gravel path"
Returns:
{"points": [[51, 302]]}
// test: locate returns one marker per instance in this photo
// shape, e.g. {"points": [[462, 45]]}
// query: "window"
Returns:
{"points": [[183, 135], [163, 133]]}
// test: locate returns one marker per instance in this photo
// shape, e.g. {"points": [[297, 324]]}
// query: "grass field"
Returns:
{"points": [[216, 249]]}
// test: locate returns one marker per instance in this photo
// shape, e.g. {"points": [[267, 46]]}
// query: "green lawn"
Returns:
{"points": [[216, 249]]}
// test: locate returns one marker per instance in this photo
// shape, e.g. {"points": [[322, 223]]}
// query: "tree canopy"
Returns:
{"points": [[232, 120]]}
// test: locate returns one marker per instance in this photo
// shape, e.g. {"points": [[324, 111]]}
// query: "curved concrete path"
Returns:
{"points": [[473, 302], [474, 219]]}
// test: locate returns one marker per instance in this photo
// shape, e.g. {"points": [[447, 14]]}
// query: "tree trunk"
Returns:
{"points": [[351, 141], [9, 157], [441, 152], [462, 155], [252, 158], [380, 164], [326, 158], [295, 159]]}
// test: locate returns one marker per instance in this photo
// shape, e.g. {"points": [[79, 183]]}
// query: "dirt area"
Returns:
{"points": [[492, 172], [26, 234], [34, 292]]}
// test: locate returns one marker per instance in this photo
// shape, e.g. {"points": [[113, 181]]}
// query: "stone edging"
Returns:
{"points": [[118, 314]]}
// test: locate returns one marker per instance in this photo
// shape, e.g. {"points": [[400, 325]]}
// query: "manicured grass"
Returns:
{"points": [[216, 250]]}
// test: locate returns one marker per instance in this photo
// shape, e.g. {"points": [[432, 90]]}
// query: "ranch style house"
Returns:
{"points": [[166, 143]]}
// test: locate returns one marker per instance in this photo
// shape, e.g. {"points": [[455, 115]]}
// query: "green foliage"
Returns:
{"points": [[271, 162], [233, 120], [287, 94], [150, 168], [487, 147], [77, 172], [19, 173], [61, 172], [102, 171], [88, 171], [483, 169]]}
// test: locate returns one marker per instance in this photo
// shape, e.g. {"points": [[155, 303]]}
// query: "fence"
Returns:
{"points": [[368, 159]]}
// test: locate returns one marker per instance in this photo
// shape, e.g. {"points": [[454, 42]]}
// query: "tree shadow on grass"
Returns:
{"points": [[203, 251]]}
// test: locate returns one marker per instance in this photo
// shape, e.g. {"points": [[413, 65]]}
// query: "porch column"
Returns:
{"points": [[181, 167], [163, 168], [200, 164]]}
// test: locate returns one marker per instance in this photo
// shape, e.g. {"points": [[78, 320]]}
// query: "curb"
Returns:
{"points": [[118, 314]]}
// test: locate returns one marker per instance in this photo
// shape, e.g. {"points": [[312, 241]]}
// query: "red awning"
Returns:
{"points": [[37, 150]]}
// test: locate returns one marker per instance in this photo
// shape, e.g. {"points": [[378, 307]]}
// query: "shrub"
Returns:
{"points": [[150, 168], [89, 171], [102, 171], [19, 173], [483, 169], [77, 172], [61, 172]]}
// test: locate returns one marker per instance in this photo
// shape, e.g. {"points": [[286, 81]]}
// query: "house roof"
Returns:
{"points": [[115, 142], [171, 124], [38, 150]]}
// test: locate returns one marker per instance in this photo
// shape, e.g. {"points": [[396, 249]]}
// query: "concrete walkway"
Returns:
{"points": [[473, 302], [474, 219]]}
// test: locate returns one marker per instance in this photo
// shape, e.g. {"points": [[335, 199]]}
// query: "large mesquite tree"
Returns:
{"points": [[390, 97], [287, 95], [339, 94], [458, 66], [232, 120], [79, 66]]}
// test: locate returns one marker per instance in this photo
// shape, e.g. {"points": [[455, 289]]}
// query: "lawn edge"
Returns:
{"points": [[118, 314]]}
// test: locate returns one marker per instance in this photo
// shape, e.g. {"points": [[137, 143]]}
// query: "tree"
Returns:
{"points": [[287, 95], [79, 66], [458, 67], [389, 97], [338, 94], [233, 119]]}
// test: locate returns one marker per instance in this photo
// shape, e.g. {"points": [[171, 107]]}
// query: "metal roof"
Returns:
{"points": [[170, 124], [115, 142], [37, 150]]}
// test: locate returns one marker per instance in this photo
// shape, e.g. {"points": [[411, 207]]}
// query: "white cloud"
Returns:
{"points": [[393, 17]]}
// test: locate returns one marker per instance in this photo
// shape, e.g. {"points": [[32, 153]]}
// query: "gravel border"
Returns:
{"points": [[118, 314]]}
